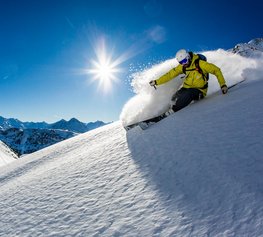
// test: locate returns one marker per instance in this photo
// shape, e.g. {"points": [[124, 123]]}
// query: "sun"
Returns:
{"points": [[104, 69], [104, 72]]}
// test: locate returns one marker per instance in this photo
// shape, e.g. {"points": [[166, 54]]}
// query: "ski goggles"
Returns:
{"points": [[184, 61]]}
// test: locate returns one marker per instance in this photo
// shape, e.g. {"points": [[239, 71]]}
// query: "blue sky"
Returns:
{"points": [[47, 47]]}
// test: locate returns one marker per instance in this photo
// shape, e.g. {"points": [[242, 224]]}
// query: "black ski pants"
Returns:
{"points": [[181, 98], [184, 97]]}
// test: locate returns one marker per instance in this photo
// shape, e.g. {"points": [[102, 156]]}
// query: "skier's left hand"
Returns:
{"points": [[152, 83], [224, 89]]}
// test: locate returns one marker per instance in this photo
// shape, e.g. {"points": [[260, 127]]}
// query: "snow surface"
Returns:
{"points": [[196, 173], [6, 154]]}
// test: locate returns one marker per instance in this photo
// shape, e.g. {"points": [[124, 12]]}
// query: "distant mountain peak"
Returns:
{"points": [[250, 49], [74, 120], [61, 121], [257, 41]]}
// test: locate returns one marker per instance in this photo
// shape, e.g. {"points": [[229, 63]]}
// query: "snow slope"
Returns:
{"points": [[6, 154], [196, 173]]}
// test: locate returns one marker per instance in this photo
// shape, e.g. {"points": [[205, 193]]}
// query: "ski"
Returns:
{"points": [[147, 123]]}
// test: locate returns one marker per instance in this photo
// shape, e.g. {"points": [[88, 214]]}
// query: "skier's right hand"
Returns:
{"points": [[152, 83], [224, 89]]}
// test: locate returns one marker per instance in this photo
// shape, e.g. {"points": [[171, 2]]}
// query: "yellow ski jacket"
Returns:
{"points": [[194, 78]]}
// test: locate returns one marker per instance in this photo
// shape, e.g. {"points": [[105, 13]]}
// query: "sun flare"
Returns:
{"points": [[104, 69]]}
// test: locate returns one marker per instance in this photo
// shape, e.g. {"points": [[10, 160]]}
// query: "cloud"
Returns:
{"points": [[157, 34]]}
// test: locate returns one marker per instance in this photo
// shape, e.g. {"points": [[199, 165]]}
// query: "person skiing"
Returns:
{"points": [[195, 83]]}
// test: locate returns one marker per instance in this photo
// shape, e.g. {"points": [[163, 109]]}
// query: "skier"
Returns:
{"points": [[195, 82]]}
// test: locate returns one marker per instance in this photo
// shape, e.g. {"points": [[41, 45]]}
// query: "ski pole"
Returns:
{"points": [[236, 84]]}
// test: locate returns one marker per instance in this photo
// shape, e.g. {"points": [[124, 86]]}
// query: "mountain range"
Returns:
{"points": [[72, 125], [28, 137]]}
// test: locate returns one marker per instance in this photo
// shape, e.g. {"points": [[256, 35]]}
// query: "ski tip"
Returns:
{"points": [[129, 127], [143, 125]]}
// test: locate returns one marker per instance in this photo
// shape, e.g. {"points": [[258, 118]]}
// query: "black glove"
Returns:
{"points": [[224, 89], [152, 83]]}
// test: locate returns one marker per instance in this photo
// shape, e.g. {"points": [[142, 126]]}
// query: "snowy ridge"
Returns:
{"points": [[6, 154], [166, 181], [251, 49]]}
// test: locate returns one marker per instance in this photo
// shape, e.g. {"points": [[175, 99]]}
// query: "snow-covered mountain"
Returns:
{"points": [[196, 173], [250, 49], [25, 141], [10, 123], [6, 154]]}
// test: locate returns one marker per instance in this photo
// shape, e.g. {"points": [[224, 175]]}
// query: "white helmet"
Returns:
{"points": [[182, 56]]}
